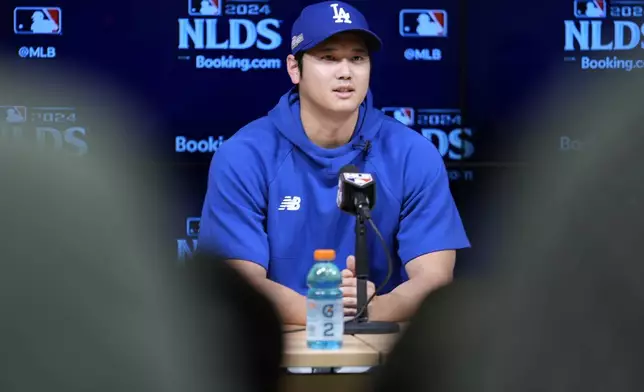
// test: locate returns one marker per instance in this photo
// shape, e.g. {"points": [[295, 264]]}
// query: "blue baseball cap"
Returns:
{"points": [[320, 21]]}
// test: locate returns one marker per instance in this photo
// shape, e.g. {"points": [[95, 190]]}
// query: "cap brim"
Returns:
{"points": [[373, 42]]}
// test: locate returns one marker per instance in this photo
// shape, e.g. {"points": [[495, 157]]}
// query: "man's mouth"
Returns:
{"points": [[343, 90]]}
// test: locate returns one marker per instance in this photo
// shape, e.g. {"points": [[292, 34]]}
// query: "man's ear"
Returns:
{"points": [[293, 69]]}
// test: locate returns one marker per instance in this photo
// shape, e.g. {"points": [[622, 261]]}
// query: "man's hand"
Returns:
{"points": [[349, 288]]}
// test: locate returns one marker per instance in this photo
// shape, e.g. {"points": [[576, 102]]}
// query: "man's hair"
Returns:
{"points": [[75, 239], [299, 57], [562, 290]]}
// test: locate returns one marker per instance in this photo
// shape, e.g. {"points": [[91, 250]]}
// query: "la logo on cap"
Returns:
{"points": [[340, 16]]}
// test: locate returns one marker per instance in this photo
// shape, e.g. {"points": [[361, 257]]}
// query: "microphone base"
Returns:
{"points": [[356, 327]]}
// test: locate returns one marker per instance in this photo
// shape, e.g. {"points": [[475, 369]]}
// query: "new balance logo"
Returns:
{"points": [[290, 203], [340, 16]]}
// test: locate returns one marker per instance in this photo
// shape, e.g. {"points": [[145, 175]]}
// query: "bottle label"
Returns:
{"points": [[324, 319]]}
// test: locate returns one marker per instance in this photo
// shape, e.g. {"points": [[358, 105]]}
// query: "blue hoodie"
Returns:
{"points": [[271, 196]]}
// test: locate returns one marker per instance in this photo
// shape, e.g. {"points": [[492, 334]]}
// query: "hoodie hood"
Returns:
{"points": [[286, 117]]}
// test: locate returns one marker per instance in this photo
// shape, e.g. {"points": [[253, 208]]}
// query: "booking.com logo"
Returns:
{"points": [[610, 63], [183, 144], [231, 62]]}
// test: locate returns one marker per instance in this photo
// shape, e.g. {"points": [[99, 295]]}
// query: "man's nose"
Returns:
{"points": [[344, 69]]}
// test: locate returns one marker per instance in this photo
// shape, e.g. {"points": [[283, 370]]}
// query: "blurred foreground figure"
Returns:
{"points": [[88, 301], [564, 308]]}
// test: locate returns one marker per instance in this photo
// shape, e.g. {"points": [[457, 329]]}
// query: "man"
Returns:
{"points": [[561, 307], [272, 186], [89, 300]]}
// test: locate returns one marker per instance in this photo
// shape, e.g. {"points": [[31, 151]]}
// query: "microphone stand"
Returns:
{"points": [[362, 325]]}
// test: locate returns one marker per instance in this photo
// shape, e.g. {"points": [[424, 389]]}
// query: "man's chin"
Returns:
{"points": [[345, 106]]}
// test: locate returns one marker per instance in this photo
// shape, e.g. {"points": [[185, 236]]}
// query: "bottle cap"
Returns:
{"points": [[324, 254]]}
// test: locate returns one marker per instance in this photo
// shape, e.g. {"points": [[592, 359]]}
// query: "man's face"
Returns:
{"points": [[336, 73]]}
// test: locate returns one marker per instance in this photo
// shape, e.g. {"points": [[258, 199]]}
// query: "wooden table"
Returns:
{"points": [[382, 344], [346, 369], [354, 352]]}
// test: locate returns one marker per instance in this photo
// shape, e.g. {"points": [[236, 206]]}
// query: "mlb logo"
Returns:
{"points": [[204, 7], [192, 226], [360, 179], [423, 23], [585, 9], [14, 114], [37, 20], [403, 114]]}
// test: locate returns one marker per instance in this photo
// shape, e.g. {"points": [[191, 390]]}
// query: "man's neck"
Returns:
{"points": [[327, 130]]}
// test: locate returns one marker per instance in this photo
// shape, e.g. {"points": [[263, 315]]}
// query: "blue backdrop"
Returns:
{"points": [[205, 76]]}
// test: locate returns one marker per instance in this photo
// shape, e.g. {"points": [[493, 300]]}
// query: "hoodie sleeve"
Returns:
{"points": [[429, 220], [233, 215]]}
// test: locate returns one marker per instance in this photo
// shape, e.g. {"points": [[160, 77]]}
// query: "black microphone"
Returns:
{"points": [[367, 147], [357, 196], [356, 191], [364, 145]]}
